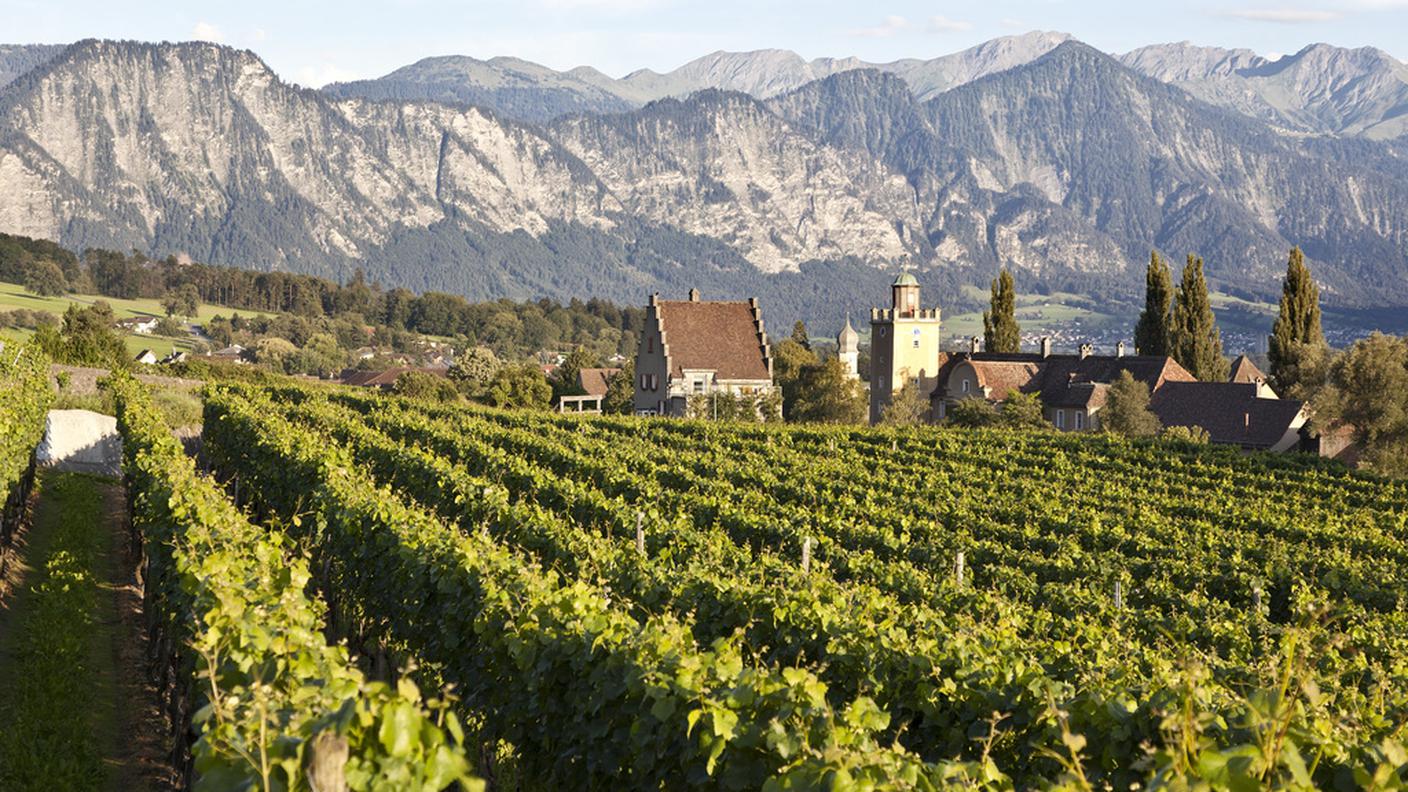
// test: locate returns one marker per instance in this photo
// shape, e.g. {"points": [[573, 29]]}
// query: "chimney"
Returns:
{"points": [[694, 295], [655, 298], [1046, 346], [1119, 349], [974, 345], [1085, 350]]}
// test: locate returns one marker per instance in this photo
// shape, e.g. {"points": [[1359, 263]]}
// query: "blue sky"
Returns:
{"points": [[315, 42]]}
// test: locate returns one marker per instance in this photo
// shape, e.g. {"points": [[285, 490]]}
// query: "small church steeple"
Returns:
{"points": [[848, 348]]}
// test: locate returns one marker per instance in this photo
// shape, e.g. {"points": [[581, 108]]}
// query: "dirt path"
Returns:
{"points": [[75, 700]]}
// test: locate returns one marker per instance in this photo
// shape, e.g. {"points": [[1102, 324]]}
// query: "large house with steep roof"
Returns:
{"points": [[1072, 388], [700, 347]]}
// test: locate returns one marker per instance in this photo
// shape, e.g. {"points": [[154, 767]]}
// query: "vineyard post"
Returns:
{"points": [[1119, 596], [807, 554], [958, 569], [1256, 599], [640, 533]]}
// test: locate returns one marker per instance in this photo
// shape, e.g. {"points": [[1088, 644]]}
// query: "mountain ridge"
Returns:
{"points": [[1068, 169]]}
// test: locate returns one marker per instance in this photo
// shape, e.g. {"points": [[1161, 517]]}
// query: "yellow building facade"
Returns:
{"points": [[904, 346]]}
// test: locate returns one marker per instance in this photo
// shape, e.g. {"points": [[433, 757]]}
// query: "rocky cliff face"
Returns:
{"points": [[1068, 168], [1321, 89], [201, 149]]}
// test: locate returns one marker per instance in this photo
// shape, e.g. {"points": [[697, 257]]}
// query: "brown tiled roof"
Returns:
{"points": [[716, 336], [1004, 376], [383, 379], [1230, 412], [1062, 373], [1244, 370], [595, 380]]}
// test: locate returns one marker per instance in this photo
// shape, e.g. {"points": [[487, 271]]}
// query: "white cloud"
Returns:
{"points": [[889, 27], [204, 31], [318, 75], [942, 24], [1283, 16]]}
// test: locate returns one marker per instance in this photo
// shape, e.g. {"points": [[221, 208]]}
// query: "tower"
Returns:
{"points": [[848, 349], [904, 345]]}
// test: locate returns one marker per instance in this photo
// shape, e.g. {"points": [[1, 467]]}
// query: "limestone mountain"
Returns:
{"points": [[510, 87], [16, 59], [531, 92], [201, 150], [1321, 89], [1073, 165]]}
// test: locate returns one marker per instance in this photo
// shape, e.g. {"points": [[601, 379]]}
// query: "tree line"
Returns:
{"points": [[512, 329]]}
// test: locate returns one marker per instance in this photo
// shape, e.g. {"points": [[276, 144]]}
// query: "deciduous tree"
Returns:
{"points": [[826, 394], [1368, 392], [1127, 410]]}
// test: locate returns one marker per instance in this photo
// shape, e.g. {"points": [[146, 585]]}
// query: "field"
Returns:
{"points": [[13, 296], [626, 603]]}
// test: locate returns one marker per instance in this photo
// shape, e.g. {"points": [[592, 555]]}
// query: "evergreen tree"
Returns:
{"points": [[1151, 335], [567, 379], [621, 391], [1297, 343], [1000, 330], [1195, 340], [1127, 410], [799, 334]]}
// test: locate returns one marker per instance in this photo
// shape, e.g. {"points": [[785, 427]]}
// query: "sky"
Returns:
{"points": [[315, 42]]}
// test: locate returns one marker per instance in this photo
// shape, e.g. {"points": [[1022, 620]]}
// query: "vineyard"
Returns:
{"points": [[618, 603]]}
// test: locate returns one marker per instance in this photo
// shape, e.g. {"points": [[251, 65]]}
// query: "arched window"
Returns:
{"points": [[965, 386]]}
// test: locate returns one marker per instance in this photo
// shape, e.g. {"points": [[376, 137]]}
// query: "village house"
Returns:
{"points": [[141, 325], [383, 380], [696, 347], [593, 382], [1073, 389]]}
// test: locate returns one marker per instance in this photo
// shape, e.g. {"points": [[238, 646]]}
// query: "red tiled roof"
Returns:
{"points": [[1230, 412], [595, 380], [1004, 376], [715, 336]]}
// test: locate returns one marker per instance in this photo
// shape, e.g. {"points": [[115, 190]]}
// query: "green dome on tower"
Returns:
{"points": [[905, 279]]}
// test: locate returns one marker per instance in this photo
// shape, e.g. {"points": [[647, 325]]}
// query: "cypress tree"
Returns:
{"points": [[1151, 335], [1297, 341], [1195, 340], [1000, 330]]}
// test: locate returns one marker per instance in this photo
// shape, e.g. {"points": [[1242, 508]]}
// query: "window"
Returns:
{"points": [[655, 382], [965, 386], [699, 386], [1080, 421], [650, 344], [1060, 419]]}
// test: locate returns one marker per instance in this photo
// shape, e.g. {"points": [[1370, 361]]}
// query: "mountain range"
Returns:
{"points": [[804, 182]]}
